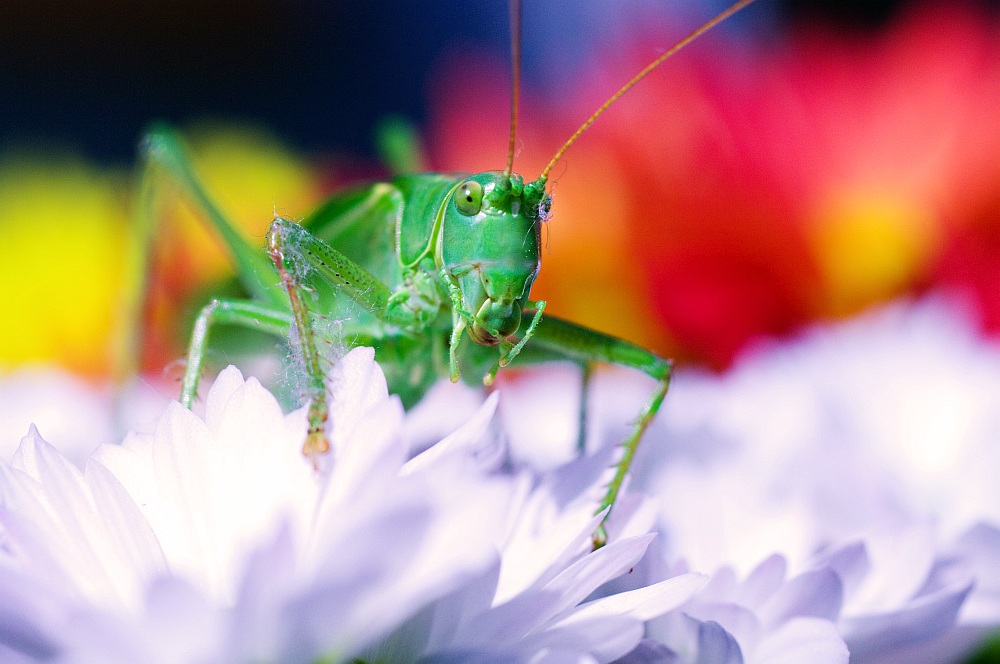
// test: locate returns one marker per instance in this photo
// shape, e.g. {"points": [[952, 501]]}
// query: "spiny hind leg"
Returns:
{"points": [[167, 160], [574, 342]]}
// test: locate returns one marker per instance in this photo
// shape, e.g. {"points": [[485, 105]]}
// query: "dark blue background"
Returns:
{"points": [[90, 76]]}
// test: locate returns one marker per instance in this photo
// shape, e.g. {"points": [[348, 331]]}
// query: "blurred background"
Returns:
{"points": [[800, 163]]}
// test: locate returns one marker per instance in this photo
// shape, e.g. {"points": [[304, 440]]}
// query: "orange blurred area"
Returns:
{"points": [[735, 194]]}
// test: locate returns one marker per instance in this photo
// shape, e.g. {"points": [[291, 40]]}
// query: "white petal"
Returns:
{"points": [[358, 385], [604, 638], [816, 593], [466, 439], [901, 561], [368, 460], [739, 623], [226, 384], [70, 523], [643, 603], [802, 640], [472, 599], [763, 581], [917, 621], [583, 577], [544, 541]]}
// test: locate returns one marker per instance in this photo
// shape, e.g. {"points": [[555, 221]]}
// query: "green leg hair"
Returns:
{"points": [[458, 317], [316, 442], [294, 249], [513, 352]]}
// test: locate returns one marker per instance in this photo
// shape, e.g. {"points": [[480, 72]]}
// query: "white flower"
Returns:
{"points": [[215, 540], [875, 441], [64, 407], [221, 527], [900, 593], [546, 569], [837, 490], [765, 617], [871, 440]]}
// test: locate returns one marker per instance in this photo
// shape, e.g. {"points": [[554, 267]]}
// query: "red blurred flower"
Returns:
{"points": [[970, 265]]}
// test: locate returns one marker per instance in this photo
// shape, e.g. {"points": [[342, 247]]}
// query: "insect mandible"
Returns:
{"points": [[436, 268]]}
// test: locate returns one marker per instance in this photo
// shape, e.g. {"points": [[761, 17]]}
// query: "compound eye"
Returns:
{"points": [[469, 198]]}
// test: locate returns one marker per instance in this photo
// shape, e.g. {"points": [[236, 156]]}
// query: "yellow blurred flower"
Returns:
{"points": [[871, 247], [251, 175], [64, 223]]}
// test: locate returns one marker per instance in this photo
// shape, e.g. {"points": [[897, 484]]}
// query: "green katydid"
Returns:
{"points": [[435, 268]]}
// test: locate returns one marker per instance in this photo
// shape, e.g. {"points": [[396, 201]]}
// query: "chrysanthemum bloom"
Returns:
{"points": [[215, 540], [865, 450]]}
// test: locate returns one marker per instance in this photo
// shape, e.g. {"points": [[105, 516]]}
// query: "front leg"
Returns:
{"points": [[295, 251], [586, 346], [316, 442]]}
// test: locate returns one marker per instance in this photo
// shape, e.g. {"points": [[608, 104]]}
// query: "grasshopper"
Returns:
{"points": [[434, 271]]}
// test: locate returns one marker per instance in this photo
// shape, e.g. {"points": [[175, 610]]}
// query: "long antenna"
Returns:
{"points": [[638, 77], [515, 56]]}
